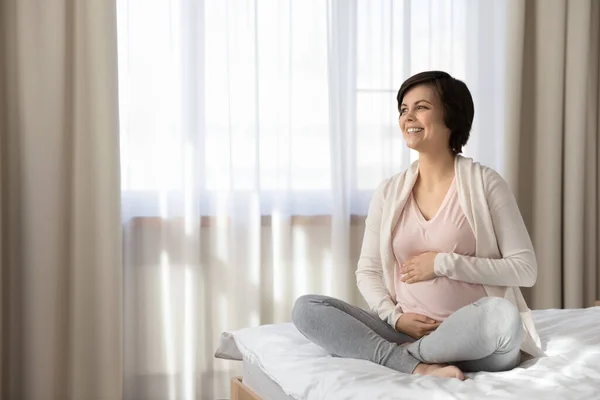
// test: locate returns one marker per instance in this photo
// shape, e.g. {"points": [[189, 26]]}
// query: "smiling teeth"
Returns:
{"points": [[410, 130]]}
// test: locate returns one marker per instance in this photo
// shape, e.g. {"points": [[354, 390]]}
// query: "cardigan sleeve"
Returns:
{"points": [[517, 265], [369, 274]]}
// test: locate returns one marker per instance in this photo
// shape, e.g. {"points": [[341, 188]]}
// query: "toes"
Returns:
{"points": [[460, 375]]}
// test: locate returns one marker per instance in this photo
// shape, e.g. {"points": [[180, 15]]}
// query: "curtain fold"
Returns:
{"points": [[553, 143], [60, 208], [341, 78]]}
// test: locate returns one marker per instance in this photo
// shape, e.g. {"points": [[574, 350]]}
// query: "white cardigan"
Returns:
{"points": [[504, 257]]}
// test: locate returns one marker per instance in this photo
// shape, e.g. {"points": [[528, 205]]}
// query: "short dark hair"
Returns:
{"points": [[456, 100]]}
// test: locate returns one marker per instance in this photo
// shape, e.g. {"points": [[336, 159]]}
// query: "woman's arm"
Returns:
{"points": [[369, 274], [518, 265]]}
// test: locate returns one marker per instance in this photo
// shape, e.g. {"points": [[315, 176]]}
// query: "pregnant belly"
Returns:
{"points": [[437, 298]]}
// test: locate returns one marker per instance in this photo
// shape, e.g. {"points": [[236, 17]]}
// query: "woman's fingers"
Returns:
{"points": [[426, 329], [407, 266], [429, 324], [423, 319], [411, 277], [433, 327], [425, 325], [426, 320]]}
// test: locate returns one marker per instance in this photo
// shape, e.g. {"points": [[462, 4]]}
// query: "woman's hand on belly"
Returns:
{"points": [[419, 268], [416, 325]]}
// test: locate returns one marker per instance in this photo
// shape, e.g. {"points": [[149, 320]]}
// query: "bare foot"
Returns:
{"points": [[439, 370]]}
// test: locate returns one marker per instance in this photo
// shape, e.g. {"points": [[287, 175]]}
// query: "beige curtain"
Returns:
{"points": [[60, 245], [552, 120]]}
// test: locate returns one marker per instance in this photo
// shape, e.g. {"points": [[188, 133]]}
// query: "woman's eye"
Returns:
{"points": [[403, 111], [421, 108]]}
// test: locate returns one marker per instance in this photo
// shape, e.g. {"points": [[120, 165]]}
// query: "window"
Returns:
{"points": [[239, 98]]}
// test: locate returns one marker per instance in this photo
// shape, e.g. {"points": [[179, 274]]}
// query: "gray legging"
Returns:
{"points": [[483, 336]]}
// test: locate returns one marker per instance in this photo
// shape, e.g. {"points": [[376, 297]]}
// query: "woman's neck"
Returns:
{"points": [[435, 169]]}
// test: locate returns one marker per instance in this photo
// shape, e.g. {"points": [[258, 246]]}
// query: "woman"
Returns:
{"points": [[444, 253]]}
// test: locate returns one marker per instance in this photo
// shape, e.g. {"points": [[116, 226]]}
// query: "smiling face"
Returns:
{"points": [[422, 120]]}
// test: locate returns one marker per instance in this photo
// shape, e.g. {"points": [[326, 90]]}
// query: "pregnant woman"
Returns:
{"points": [[444, 253]]}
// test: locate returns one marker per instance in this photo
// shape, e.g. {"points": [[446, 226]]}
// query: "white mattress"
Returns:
{"points": [[261, 384], [571, 338]]}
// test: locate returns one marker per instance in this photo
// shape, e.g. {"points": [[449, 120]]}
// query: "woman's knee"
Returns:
{"points": [[502, 317], [304, 309], [500, 306]]}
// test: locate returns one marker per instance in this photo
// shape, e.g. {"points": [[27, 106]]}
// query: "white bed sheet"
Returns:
{"points": [[571, 338]]}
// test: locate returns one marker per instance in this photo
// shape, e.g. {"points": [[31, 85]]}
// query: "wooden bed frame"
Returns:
{"points": [[239, 391]]}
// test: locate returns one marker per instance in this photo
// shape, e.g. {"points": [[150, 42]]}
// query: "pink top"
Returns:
{"points": [[447, 232]]}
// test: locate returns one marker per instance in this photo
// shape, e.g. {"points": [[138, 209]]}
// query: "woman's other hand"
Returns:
{"points": [[416, 325], [418, 268]]}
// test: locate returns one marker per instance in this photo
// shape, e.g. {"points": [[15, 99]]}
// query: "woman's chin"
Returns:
{"points": [[413, 146]]}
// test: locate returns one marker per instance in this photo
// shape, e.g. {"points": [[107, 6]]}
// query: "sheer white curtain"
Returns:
{"points": [[252, 136]]}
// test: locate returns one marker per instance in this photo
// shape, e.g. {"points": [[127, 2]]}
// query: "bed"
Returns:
{"points": [[281, 364]]}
